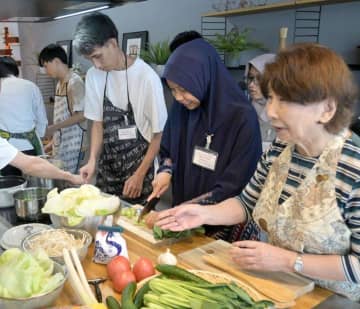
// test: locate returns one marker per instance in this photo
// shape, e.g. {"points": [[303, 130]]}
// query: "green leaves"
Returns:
{"points": [[161, 234], [157, 53], [235, 41]]}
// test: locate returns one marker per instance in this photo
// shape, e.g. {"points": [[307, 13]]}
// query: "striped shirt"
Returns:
{"points": [[347, 188]]}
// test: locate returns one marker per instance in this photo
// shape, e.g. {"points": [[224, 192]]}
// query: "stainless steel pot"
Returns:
{"points": [[29, 201], [9, 185], [34, 181]]}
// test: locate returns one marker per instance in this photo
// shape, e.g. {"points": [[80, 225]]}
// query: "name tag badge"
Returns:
{"points": [[129, 132], [205, 158]]}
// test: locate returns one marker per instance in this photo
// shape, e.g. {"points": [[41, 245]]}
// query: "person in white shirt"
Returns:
{"points": [[125, 101], [23, 117], [32, 165]]}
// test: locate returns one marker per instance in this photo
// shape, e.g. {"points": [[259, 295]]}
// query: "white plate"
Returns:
{"points": [[13, 237]]}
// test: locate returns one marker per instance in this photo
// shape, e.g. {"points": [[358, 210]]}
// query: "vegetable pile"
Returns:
{"points": [[77, 203], [178, 288], [24, 275]]}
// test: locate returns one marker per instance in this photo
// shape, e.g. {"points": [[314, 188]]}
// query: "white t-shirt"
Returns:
{"points": [[7, 152], [21, 109], [145, 91]]}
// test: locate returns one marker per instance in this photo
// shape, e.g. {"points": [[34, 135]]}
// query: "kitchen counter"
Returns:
{"points": [[138, 247]]}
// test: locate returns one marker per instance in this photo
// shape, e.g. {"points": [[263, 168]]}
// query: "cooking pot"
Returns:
{"points": [[48, 183], [29, 201], [9, 185]]}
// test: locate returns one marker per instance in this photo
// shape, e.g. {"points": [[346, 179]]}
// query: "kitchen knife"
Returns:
{"points": [[149, 206]]}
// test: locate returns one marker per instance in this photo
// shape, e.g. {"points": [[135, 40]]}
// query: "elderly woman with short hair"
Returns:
{"points": [[304, 197]]}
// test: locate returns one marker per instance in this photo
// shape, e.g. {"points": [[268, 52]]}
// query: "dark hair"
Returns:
{"points": [[93, 31], [50, 52], [9, 66], [183, 37], [307, 73]]}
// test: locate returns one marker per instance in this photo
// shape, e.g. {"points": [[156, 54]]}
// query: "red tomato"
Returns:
{"points": [[117, 265], [122, 279], [143, 268]]}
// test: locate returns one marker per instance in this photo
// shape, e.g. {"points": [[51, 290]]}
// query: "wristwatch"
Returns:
{"points": [[299, 264]]}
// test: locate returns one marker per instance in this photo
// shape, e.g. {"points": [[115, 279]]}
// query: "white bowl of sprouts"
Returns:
{"points": [[53, 242]]}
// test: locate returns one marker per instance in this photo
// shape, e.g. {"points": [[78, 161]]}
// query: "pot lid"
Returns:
{"points": [[14, 236]]}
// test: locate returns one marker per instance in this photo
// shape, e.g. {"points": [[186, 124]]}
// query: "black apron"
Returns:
{"points": [[120, 158]]}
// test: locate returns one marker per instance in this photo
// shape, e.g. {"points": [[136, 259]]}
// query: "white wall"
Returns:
{"points": [[162, 18]]}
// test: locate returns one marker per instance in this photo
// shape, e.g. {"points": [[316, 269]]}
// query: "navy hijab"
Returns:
{"points": [[224, 112]]}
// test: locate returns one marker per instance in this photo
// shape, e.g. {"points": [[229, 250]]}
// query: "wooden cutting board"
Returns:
{"points": [[139, 230], [219, 248]]}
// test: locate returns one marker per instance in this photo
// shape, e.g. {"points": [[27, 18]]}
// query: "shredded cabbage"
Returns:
{"points": [[77, 203], [24, 275]]}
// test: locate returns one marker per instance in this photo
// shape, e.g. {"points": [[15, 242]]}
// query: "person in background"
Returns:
{"points": [[253, 71], [183, 37], [11, 65], [125, 101], [304, 196], [30, 165], [211, 142], [23, 118], [69, 140]]}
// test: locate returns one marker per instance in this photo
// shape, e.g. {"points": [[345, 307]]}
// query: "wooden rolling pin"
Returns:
{"points": [[270, 289]]}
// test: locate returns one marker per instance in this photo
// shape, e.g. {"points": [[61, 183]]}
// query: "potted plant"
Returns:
{"points": [[233, 43], [156, 55]]}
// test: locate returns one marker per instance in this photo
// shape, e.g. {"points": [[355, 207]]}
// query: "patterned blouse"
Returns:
{"points": [[347, 190]]}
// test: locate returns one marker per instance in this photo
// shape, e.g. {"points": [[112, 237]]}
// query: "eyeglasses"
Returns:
{"points": [[252, 79]]}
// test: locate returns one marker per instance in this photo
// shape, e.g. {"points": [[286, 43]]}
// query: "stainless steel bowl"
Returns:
{"points": [[39, 301], [77, 234], [29, 201], [88, 224]]}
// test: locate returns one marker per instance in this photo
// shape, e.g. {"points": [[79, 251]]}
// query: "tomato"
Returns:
{"points": [[122, 279], [117, 265], [143, 268]]}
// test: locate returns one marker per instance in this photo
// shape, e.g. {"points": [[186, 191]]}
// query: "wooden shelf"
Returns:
{"points": [[285, 5]]}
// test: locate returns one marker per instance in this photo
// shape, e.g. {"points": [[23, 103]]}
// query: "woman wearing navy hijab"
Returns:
{"points": [[211, 142]]}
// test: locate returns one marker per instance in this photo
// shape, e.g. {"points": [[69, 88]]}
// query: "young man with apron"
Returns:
{"points": [[69, 139], [125, 101]]}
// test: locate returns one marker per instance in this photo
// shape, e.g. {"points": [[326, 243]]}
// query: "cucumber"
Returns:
{"points": [[127, 296], [139, 296], [112, 303], [179, 273]]}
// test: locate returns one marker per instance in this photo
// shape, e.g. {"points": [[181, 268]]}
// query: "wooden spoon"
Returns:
{"points": [[273, 290]]}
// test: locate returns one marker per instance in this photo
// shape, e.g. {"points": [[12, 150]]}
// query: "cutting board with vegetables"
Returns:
{"points": [[129, 223], [214, 257], [127, 218]]}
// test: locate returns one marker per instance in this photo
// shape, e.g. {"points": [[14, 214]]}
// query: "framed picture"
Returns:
{"points": [[67, 46], [133, 42]]}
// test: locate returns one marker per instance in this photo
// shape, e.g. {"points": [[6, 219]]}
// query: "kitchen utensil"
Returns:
{"points": [[9, 185], [88, 224], [267, 287], [14, 236], [34, 181], [96, 282], [38, 301], [29, 201], [149, 206], [76, 234]]}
